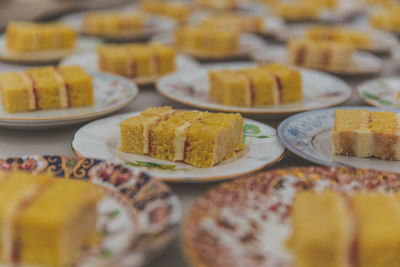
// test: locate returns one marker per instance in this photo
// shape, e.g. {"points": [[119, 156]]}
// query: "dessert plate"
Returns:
{"points": [[111, 93], [247, 222], [248, 44], [88, 60], [191, 88], [42, 57], [381, 41], [137, 219], [364, 63], [102, 138], [381, 93], [308, 135], [153, 25]]}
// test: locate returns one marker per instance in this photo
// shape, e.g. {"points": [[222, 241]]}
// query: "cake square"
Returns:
{"points": [[16, 93]]}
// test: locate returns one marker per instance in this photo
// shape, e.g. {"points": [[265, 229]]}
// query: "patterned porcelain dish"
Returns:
{"points": [[381, 93], [88, 60], [382, 42], [43, 57], [308, 135], [101, 138], [153, 25], [248, 44], [111, 93], [246, 222], [364, 63], [137, 219], [320, 90]]}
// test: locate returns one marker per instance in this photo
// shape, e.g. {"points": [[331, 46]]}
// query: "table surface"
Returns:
{"points": [[58, 142]]}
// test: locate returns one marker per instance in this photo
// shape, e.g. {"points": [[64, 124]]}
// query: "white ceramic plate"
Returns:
{"points": [[308, 135], [363, 63], [111, 93], [153, 25], [88, 60], [42, 57], [381, 93], [382, 42], [102, 138], [191, 88], [248, 44], [396, 54]]}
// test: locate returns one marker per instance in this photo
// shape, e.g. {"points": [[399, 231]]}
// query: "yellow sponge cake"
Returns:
{"points": [[387, 19], [246, 23], [176, 10]]}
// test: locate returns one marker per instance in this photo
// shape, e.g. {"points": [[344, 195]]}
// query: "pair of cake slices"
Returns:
{"points": [[264, 85], [46, 88], [201, 139], [334, 230], [45, 221]]}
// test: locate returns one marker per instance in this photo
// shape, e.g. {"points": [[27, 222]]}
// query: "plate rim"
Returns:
{"points": [[366, 83]]}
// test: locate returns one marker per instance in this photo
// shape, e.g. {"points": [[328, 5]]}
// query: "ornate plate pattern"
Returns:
{"points": [[88, 60], [111, 93], [308, 135], [138, 217], [101, 138], [191, 88], [381, 93], [246, 222]]}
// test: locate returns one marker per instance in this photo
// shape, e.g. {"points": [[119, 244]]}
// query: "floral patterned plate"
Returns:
{"points": [[137, 219], [246, 222], [111, 93], [153, 25], [191, 88], [363, 63], [381, 93], [42, 57], [308, 135], [88, 60], [101, 138]]}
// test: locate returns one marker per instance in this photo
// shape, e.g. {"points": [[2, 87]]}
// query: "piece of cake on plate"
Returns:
{"points": [[205, 41], [32, 36], [176, 10], [357, 38], [247, 23], [387, 19], [363, 133], [320, 54], [136, 60], [218, 4], [296, 11], [45, 221], [46, 88], [113, 23], [201, 139], [259, 86]]}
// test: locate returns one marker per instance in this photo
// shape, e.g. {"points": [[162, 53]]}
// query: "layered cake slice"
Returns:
{"points": [[387, 19], [264, 85], [218, 4], [297, 10], [320, 54], [46, 88], [235, 21], [31, 36], [136, 60], [200, 40], [362, 133], [176, 10], [201, 139], [45, 221], [113, 22]]}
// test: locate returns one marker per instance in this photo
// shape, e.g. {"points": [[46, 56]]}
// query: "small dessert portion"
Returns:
{"points": [[218, 4], [320, 54], [204, 41], [113, 23], [363, 133], [136, 60], [264, 85], [297, 11], [45, 221], [232, 21], [357, 38], [388, 20], [46, 88], [30, 36], [201, 139], [335, 230], [175, 10]]}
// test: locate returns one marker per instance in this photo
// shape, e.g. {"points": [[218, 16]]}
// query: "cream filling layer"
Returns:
{"points": [[180, 140], [62, 89], [31, 93]]}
